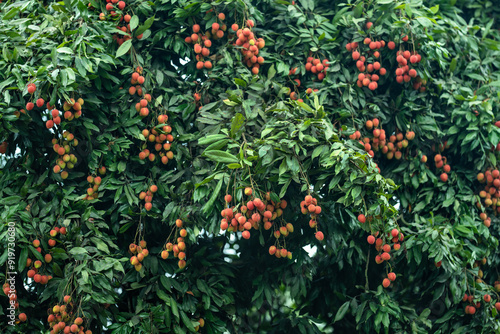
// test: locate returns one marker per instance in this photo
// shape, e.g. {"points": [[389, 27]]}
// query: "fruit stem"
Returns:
{"points": [[303, 175]]}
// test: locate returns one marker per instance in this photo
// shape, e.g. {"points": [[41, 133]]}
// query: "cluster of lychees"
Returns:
{"points": [[120, 38], [10, 291], [138, 252], [384, 248], [72, 109], [95, 182], [368, 76], [202, 42], [53, 233], [65, 159], [39, 102], [112, 6], [474, 301], [249, 46], [404, 73], [250, 214], [36, 266], [391, 149], [177, 245], [136, 80], [162, 139], [246, 41], [310, 206], [490, 193], [294, 95], [440, 162], [147, 196], [318, 67], [62, 318]]}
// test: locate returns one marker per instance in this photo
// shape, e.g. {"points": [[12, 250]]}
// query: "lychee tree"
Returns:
{"points": [[249, 166]]}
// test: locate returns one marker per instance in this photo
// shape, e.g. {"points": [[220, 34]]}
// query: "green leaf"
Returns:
{"points": [[434, 9], [122, 165], [475, 76], [65, 50], [408, 10], [174, 307], [220, 156], [237, 123], [187, 322], [145, 26], [134, 22], [492, 158], [11, 13], [234, 166], [271, 72], [162, 295], [100, 245], [342, 311], [57, 270], [23, 257], [424, 21], [209, 204], [124, 48], [240, 82], [305, 107], [207, 140]]}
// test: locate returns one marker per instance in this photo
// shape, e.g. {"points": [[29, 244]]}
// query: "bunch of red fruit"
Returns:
{"points": [[310, 206], [39, 102], [378, 142], [53, 233], [179, 247], [72, 109], [65, 159], [202, 42], [55, 118], [473, 306], [368, 76], [249, 46], [440, 162], [491, 191], [296, 83], [138, 252], [147, 196], [61, 316], [404, 73], [111, 7], [18, 113], [136, 81], [12, 295], [162, 141], [126, 29], [95, 182], [318, 67], [33, 272], [252, 213], [384, 248], [142, 105]]}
